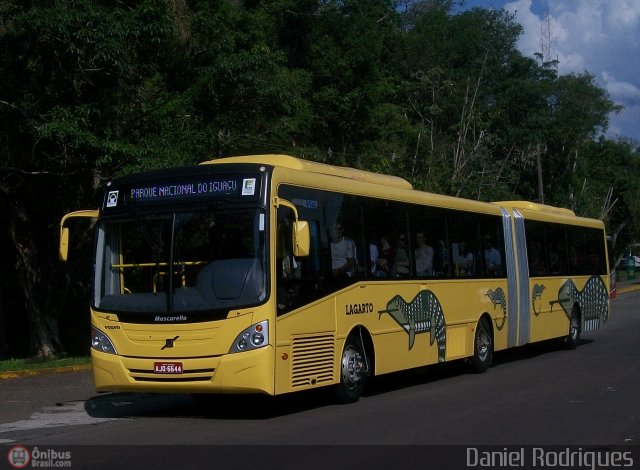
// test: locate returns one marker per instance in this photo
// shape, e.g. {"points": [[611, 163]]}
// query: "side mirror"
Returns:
{"points": [[63, 249], [300, 235], [301, 238], [63, 252]]}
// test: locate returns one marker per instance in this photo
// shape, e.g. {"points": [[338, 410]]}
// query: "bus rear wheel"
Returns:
{"points": [[353, 371], [482, 347], [573, 338]]}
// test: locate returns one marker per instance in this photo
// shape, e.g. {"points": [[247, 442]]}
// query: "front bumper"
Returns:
{"points": [[245, 372]]}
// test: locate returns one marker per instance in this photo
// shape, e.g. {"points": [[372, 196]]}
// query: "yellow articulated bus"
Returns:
{"points": [[273, 274]]}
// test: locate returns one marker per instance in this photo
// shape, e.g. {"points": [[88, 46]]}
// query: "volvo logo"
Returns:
{"points": [[169, 343]]}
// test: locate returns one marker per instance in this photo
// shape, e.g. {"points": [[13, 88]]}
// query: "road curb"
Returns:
{"points": [[623, 290], [16, 374]]}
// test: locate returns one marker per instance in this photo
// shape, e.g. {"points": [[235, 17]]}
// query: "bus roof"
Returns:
{"points": [[294, 163], [534, 206]]}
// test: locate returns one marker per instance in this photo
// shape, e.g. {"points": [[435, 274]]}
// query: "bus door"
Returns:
{"points": [[305, 324]]}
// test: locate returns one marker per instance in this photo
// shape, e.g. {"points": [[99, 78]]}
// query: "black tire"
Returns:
{"points": [[353, 371], [482, 347], [573, 337]]}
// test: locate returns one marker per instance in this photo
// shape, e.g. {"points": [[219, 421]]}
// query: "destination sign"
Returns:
{"points": [[186, 189]]}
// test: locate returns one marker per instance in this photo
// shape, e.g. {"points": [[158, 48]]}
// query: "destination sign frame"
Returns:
{"points": [[240, 187]]}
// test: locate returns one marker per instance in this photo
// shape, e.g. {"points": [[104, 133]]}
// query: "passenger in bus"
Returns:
{"points": [[373, 257], [386, 257], [366, 267], [440, 259], [466, 261], [492, 257], [343, 256], [402, 262], [424, 256]]}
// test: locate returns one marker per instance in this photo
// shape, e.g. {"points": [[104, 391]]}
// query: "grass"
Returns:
{"points": [[12, 365]]}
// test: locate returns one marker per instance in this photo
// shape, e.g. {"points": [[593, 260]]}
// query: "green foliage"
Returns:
{"points": [[607, 176]]}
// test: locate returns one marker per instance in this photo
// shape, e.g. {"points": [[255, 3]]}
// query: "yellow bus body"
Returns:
{"points": [[306, 344]]}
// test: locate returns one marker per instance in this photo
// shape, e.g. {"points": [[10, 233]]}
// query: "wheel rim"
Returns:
{"points": [[574, 328], [483, 343], [352, 367]]}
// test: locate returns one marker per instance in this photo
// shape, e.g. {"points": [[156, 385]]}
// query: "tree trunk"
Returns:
{"points": [[43, 330]]}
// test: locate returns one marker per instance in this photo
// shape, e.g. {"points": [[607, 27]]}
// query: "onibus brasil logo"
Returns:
{"points": [[20, 457]]}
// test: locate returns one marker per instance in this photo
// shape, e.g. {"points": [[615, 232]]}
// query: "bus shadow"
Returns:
{"points": [[135, 405], [532, 350], [260, 407], [205, 406], [439, 372]]}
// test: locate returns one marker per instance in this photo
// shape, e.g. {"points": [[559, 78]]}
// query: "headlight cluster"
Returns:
{"points": [[256, 336], [101, 342]]}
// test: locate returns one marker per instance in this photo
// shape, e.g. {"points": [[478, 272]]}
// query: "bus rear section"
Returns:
{"points": [[563, 267]]}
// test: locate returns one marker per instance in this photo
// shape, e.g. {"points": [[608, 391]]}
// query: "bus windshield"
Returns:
{"points": [[200, 261]]}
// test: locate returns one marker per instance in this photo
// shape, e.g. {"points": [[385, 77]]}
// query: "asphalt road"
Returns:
{"points": [[535, 395]]}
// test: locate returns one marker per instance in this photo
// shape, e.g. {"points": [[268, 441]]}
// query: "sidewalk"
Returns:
{"points": [[627, 285]]}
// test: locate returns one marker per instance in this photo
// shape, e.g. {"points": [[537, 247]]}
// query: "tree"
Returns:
{"points": [[607, 173], [456, 65], [70, 73], [579, 113], [352, 63]]}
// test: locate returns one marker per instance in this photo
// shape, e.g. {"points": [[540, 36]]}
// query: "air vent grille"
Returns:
{"points": [[312, 361]]}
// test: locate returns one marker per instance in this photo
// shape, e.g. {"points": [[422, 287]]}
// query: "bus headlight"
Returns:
{"points": [[101, 342], [256, 336]]}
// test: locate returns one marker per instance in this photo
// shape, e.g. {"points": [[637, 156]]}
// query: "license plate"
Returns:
{"points": [[167, 367]]}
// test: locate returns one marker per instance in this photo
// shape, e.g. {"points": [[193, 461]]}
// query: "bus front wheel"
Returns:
{"points": [[353, 370], [482, 347]]}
